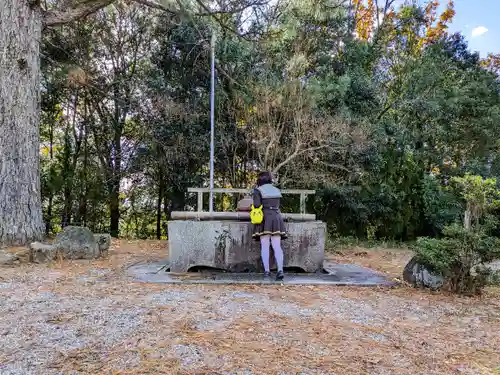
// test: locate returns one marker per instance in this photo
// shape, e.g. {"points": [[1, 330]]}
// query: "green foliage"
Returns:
{"points": [[392, 110], [493, 277], [440, 205], [455, 255], [481, 195], [464, 247], [478, 191]]}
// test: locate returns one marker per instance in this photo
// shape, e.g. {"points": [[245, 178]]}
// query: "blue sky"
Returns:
{"points": [[479, 21]]}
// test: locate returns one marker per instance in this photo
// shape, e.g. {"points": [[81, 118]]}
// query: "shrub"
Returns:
{"points": [[466, 247], [440, 205], [456, 255]]}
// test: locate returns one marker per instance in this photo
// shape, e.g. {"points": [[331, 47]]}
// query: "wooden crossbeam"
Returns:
{"points": [[303, 194]]}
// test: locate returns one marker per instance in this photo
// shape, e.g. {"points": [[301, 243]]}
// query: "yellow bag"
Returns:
{"points": [[256, 215]]}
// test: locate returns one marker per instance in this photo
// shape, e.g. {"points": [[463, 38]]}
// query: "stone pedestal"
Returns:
{"points": [[229, 245]]}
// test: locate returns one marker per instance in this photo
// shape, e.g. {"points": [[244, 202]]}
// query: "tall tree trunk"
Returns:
{"points": [[114, 207], [468, 217], [67, 176], [158, 205], [21, 219], [174, 201], [73, 154], [116, 171], [114, 197], [48, 221], [68, 203], [82, 206]]}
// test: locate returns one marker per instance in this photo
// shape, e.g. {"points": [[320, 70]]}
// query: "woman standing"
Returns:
{"points": [[272, 228]]}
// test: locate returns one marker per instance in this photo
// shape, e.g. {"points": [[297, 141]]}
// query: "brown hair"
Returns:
{"points": [[264, 178]]}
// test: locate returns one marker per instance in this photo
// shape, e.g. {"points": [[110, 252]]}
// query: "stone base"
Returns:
{"points": [[228, 245], [334, 274]]}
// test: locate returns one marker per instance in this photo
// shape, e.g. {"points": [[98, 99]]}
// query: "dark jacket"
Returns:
{"points": [[269, 197]]}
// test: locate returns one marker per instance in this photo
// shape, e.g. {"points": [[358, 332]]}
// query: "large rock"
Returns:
{"points": [[418, 275], [229, 245], [42, 253], [77, 243], [7, 259]]}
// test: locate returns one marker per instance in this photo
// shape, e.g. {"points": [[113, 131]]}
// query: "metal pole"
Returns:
{"points": [[212, 122]]}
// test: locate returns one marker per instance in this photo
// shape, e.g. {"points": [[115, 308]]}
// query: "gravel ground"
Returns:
{"points": [[91, 319]]}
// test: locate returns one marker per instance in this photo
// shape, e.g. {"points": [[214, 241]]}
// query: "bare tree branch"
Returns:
{"points": [[239, 9], [80, 9], [297, 153], [155, 5]]}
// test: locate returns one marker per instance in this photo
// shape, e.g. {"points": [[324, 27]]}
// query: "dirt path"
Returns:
{"points": [[91, 319]]}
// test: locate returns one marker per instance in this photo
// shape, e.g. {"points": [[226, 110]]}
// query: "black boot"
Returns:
{"points": [[279, 276], [267, 274]]}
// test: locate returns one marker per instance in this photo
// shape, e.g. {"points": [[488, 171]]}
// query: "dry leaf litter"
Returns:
{"points": [[90, 318]]}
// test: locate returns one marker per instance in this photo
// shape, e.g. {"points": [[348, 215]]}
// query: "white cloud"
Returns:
{"points": [[478, 31]]}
